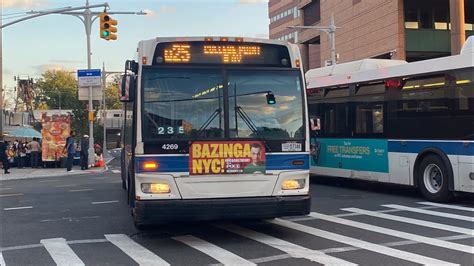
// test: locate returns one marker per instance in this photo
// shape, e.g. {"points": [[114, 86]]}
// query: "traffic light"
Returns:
{"points": [[107, 27]]}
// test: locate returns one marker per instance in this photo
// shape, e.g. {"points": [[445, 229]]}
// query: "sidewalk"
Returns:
{"points": [[27, 173]]}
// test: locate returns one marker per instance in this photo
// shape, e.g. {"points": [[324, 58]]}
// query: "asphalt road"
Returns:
{"points": [[85, 220]]}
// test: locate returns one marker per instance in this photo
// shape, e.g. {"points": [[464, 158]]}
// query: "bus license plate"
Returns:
{"points": [[291, 146]]}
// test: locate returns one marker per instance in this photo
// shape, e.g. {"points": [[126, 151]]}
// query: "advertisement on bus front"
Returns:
{"points": [[227, 157]]}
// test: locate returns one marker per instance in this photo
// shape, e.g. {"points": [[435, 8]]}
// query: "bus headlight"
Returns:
{"points": [[291, 184], [155, 188]]}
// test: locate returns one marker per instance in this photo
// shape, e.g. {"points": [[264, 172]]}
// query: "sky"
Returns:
{"points": [[59, 41]]}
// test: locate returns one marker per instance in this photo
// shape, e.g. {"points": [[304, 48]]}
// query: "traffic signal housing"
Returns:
{"points": [[108, 27]]}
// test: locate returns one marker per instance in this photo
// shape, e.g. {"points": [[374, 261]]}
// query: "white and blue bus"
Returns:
{"points": [[215, 128], [396, 122]]}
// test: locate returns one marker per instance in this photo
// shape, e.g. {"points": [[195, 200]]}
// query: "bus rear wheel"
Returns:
{"points": [[433, 179]]}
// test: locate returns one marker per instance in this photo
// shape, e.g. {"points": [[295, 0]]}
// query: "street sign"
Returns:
{"points": [[89, 78]]}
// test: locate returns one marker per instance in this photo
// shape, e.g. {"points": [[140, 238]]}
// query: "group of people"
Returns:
{"points": [[27, 154], [20, 153], [71, 149]]}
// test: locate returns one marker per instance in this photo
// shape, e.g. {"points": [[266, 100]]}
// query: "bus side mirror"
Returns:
{"points": [[128, 86], [315, 125]]}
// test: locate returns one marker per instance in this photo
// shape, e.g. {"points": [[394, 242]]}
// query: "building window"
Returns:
{"points": [[440, 18], [312, 13]]}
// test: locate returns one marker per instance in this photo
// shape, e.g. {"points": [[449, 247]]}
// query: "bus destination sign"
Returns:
{"points": [[222, 53]]}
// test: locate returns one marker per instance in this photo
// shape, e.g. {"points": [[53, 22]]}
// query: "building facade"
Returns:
{"points": [[410, 30]]}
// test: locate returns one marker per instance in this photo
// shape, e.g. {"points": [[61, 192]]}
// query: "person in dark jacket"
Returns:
{"points": [[84, 152], [4, 155], [70, 149]]}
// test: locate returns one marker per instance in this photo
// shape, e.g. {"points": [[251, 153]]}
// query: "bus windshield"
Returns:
{"points": [[188, 103]]}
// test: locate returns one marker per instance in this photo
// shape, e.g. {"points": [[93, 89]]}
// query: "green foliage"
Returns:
{"points": [[112, 94], [55, 88]]}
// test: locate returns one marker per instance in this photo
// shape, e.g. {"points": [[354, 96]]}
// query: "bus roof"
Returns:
{"points": [[378, 69]]}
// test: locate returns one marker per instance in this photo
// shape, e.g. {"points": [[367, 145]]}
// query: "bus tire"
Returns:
{"points": [[433, 179]]}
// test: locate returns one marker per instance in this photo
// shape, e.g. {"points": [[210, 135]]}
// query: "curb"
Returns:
{"points": [[4, 177]]}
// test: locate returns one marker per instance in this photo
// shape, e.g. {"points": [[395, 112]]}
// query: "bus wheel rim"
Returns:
{"points": [[433, 178]]}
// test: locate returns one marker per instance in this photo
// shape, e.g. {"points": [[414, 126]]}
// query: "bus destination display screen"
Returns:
{"points": [[232, 53]]}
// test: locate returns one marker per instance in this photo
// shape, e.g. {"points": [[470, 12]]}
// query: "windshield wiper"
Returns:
{"points": [[251, 125], [213, 116]]}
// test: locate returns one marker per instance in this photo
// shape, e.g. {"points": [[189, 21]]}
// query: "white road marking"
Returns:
{"points": [[11, 195], [60, 251], [454, 207], [99, 178], [66, 186], [105, 202], [18, 208], [412, 221], [221, 255], [396, 233], [360, 243], [2, 261], [48, 181], [309, 218], [135, 251], [80, 190], [435, 213], [116, 171], [292, 249]]}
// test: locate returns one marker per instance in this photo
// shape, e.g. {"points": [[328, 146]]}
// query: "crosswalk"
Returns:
{"points": [[287, 246]]}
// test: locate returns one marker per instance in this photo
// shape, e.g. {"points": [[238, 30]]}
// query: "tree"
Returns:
{"points": [[56, 89], [112, 94]]}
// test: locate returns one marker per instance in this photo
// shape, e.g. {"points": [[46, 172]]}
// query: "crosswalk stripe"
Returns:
{"points": [[221, 255], [292, 249], [135, 251], [434, 213], [412, 221], [454, 207], [2, 261], [60, 251], [395, 233], [361, 243]]}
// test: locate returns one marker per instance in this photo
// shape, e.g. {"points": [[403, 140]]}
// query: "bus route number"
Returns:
{"points": [[169, 146], [170, 130]]}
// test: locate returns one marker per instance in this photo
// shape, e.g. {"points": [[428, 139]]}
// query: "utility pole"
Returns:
{"points": [[88, 17], [105, 74], [330, 31], [1, 73]]}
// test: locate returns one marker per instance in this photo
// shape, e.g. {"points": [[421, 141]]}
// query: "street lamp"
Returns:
{"points": [[330, 31]]}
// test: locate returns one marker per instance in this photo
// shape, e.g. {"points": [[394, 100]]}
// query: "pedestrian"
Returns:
{"points": [[70, 149], [84, 152], [34, 147], [4, 155], [21, 154]]}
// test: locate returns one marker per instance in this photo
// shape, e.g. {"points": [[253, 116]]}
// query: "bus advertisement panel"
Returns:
{"points": [[227, 157]]}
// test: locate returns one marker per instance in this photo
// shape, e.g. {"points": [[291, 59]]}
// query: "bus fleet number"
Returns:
{"points": [[169, 146]]}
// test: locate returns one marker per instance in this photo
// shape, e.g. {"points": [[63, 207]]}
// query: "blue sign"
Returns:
{"points": [[352, 154], [88, 73]]}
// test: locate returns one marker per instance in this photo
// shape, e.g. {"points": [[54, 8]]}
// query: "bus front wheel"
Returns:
{"points": [[433, 179]]}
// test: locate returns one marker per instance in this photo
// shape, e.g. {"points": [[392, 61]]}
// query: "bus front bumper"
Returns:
{"points": [[164, 211]]}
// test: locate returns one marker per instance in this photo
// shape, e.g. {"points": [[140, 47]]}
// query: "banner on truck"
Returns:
{"points": [[56, 128]]}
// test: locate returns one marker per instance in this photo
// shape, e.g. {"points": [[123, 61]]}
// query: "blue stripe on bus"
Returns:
{"points": [[451, 148], [181, 163]]}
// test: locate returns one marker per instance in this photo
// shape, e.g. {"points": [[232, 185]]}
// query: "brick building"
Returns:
{"points": [[398, 29]]}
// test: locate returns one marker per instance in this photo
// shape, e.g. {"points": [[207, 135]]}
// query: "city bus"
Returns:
{"points": [[215, 128], [396, 122]]}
